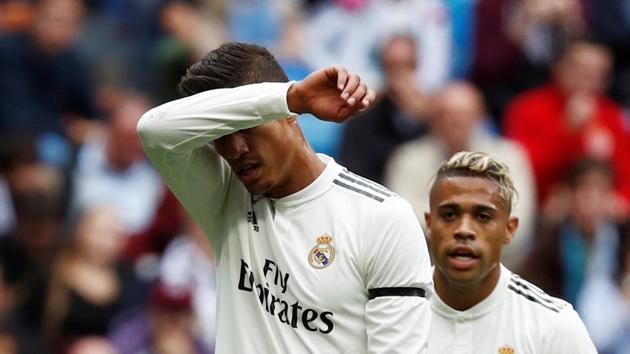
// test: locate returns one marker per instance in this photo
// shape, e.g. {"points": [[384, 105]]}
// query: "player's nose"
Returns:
{"points": [[464, 230], [232, 146]]}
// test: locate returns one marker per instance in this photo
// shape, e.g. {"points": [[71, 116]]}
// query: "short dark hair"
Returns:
{"points": [[232, 64], [585, 166], [567, 44]]}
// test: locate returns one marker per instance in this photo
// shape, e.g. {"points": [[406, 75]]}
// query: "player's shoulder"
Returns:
{"points": [[536, 301], [362, 190]]}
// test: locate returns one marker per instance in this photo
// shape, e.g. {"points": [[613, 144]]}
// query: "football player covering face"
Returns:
{"points": [[469, 223]]}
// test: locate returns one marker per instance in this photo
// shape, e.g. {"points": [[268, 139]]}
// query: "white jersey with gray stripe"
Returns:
{"points": [[516, 318], [295, 274]]}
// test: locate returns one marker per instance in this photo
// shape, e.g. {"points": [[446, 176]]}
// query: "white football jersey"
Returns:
{"points": [[517, 318], [338, 267]]}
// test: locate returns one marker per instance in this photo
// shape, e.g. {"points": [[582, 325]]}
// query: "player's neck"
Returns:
{"points": [[305, 168], [462, 297]]}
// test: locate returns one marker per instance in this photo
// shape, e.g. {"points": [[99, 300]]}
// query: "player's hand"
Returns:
{"points": [[331, 94]]}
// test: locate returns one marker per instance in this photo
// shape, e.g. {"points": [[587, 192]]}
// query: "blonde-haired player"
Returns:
{"points": [[480, 306]]}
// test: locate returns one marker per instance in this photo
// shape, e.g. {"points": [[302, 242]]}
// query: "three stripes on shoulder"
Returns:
{"points": [[363, 186], [535, 294]]}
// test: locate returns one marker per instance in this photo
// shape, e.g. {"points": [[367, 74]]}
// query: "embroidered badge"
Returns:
{"points": [[323, 254], [506, 349]]}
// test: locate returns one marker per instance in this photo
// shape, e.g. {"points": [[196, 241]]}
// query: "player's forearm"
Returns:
{"points": [[192, 122]]}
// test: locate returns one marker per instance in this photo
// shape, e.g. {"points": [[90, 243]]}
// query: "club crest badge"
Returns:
{"points": [[323, 254], [506, 349]]}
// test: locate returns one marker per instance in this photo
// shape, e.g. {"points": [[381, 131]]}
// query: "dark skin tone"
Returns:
{"points": [[274, 159], [469, 223]]}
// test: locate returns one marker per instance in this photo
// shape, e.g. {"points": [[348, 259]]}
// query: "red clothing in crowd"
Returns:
{"points": [[537, 120]]}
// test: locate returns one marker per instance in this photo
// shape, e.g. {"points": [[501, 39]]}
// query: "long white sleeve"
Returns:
{"points": [[398, 265], [175, 137]]}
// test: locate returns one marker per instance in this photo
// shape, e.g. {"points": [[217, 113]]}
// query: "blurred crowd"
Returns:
{"points": [[97, 256]]}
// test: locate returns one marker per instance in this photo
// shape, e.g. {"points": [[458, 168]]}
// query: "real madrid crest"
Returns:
{"points": [[506, 349], [323, 254]]}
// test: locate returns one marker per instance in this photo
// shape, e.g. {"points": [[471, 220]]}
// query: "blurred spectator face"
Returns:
{"points": [[398, 58], [181, 19], [123, 145], [16, 15], [99, 235], [553, 11], [57, 24], [172, 318], [591, 195], [92, 345], [584, 69], [457, 105], [36, 191], [8, 344]]}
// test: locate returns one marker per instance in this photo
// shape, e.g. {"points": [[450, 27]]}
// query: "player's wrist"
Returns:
{"points": [[294, 99]]}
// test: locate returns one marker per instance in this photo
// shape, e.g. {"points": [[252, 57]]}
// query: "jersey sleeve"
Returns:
{"points": [[398, 280], [175, 137], [569, 335]]}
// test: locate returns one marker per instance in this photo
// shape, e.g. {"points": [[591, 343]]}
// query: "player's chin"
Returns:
{"points": [[258, 187], [462, 278]]}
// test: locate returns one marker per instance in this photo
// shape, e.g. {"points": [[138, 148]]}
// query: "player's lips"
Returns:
{"points": [[247, 172], [462, 257]]}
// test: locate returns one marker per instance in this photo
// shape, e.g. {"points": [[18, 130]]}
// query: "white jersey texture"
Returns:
{"points": [[295, 274], [517, 318]]}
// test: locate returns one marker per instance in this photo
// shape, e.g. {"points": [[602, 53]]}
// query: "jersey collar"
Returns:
{"points": [[486, 305], [318, 187]]}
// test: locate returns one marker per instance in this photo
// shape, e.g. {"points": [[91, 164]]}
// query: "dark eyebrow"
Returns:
{"points": [[478, 207], [451, 206], [486, 208]]}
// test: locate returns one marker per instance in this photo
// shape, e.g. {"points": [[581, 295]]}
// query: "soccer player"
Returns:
{"points": [[310, 257], [479, 306]]}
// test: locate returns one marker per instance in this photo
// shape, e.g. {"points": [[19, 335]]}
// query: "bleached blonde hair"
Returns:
{"points": [[479, 164]]}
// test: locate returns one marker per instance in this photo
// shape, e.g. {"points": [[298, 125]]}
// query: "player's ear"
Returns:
{"points": [[511, 227], [427, 220]]}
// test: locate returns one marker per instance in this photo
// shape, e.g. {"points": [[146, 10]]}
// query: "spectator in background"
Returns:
{"points": [[515, 42], [541, 27], [458, 124], [45, 86], [112, 169], [89, 285], [191, 31], [610, 21], [15, 335], [584, 256], [497, 60], [36, 193], [351, 32], [188, 262], [570, 118], [399, 114], [165, 327], [16, 15], [92, 345], [324, 137]]}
